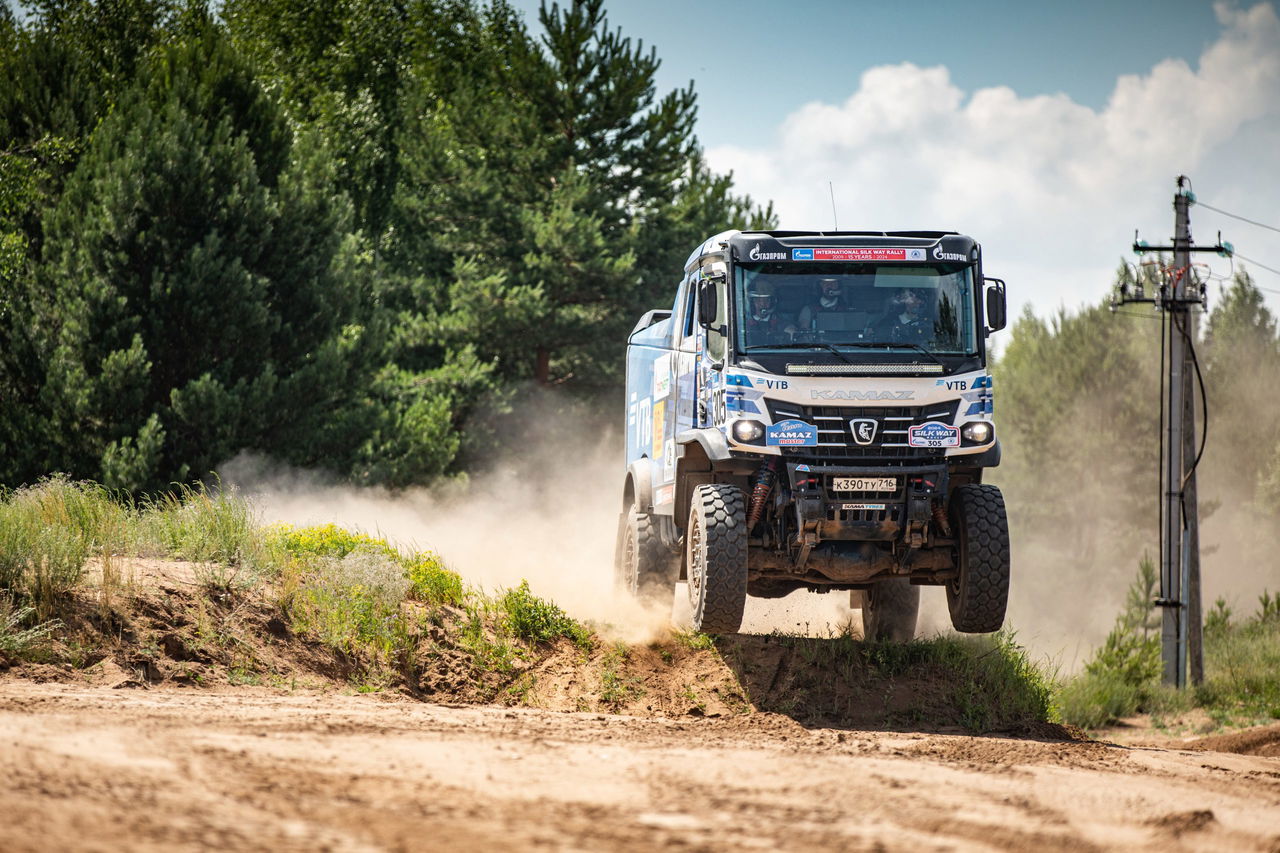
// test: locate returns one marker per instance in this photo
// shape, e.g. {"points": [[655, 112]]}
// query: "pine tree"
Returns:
{"points": [[192, 301]]}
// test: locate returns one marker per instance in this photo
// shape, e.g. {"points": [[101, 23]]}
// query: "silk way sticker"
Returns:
{"points": [[933, 434], [791, 434]]}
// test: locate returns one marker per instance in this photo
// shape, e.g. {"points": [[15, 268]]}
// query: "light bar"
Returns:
{"points": [[860, 369]]}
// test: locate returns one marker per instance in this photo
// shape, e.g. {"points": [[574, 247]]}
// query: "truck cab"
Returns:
{"points": [[815, 411]]}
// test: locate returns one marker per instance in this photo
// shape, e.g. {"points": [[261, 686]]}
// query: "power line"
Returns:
{"points": [[1238, 216], [1264, 266]]}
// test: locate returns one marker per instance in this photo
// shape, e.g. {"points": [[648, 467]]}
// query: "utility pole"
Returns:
{"points": [[1178, 296]]}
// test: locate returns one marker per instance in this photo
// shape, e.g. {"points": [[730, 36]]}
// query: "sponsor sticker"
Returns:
{"points": [[859, 254], [940, 255], [933, 434], [669, 460], [662, 376], [756, 255], [664, 495], [659, 424], [793, 434], [862, 506]]}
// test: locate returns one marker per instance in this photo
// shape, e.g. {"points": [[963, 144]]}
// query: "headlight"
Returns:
{"points": [[747, 431], [979, 432]]}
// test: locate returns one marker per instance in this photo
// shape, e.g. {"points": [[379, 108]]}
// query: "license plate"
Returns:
{"points": [[864, 484]]}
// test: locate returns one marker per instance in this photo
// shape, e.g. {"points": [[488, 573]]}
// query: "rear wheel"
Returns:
{"points": [[716, 556], [978, 596], [890, 610], [640, 564]]}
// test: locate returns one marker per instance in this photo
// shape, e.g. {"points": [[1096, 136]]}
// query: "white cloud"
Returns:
{"points": [[1053, 189]]}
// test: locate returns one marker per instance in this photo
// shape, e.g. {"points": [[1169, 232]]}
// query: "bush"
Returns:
{"points": [[48, 532], [324, 540], [537, 620], [203, 525], [1097, 698], [431, 582], [352, 604]]}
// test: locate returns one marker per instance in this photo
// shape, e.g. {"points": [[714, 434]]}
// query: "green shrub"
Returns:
{"points": [[1242, 668], [537, 620], [431, 582], [202, 525], [1097, 698], [49, 531], [352, 604], [324, 540], [15, 641]]}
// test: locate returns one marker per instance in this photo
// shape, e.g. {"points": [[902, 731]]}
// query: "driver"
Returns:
{"points": [[762, 315], [906, 320], [829, 302]]}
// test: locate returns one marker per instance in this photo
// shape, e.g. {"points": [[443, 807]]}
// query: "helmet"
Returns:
{"points": [[760, 296]]}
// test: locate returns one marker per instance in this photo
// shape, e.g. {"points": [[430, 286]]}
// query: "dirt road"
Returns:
{"points": [[240, 769]]}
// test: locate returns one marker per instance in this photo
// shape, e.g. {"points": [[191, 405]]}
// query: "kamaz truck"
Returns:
{"points": [[815, 411]]}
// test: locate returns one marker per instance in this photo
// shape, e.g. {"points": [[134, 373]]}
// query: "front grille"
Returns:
{"points": [[835, 441]]}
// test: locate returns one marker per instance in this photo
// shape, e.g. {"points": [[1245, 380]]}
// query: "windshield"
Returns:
{"points": [[878, 306]]}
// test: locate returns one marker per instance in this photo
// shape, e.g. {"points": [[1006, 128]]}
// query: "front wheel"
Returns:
{"points": [[716, 556], [979, 594], [890, 611]]}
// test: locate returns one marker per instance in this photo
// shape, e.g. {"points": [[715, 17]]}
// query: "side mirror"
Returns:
{"points": [[707, 308], [995, 305]]}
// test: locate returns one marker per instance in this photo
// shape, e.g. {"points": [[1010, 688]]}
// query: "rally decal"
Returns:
{"points": [[933, 434], [791, 434]]}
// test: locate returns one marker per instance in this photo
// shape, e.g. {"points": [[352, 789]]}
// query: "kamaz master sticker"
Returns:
{"points": [[933, 434], [793, 434]]}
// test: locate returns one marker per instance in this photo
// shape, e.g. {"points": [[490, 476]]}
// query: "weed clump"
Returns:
{"points": [[537, 620], [430, 582]]}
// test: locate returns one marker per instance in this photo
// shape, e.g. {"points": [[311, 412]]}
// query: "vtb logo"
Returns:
{"points": [[863, 430]]}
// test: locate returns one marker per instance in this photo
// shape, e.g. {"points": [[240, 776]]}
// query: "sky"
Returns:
{"points": [[1047, 131]]}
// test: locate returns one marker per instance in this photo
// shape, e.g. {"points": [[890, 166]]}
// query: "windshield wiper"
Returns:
{"points": [[802, 345], [892, 345], [863, 344]]}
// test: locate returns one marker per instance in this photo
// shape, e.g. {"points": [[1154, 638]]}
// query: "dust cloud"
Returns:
{"points": [[1077, 539], [547, 514], [548, 518]]}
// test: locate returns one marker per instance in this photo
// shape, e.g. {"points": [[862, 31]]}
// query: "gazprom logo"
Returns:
{"points": [[757, 255], [802, 254], [940, 255]]}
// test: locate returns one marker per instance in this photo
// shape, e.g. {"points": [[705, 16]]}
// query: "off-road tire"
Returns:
{"points": [[890, 612], [640, 562], [716, 557], [978, 595]]}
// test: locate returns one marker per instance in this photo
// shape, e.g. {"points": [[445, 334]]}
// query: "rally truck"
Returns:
{"points": [[815, 412]]}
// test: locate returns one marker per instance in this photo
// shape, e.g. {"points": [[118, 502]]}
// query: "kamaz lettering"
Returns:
{"points": [[837, 394]]}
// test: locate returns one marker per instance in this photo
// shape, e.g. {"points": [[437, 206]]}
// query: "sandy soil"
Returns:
{"points": [[92, 768]]}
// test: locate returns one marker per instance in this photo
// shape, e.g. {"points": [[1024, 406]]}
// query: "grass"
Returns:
{"points": [[988, 679], [616, 687], [1241, 664]]}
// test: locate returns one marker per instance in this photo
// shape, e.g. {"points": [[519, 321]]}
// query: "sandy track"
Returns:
{"points": [[100, 769]]}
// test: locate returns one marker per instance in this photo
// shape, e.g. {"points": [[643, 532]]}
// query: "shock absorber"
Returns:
{"points": [[765, 478], [940, 519]]}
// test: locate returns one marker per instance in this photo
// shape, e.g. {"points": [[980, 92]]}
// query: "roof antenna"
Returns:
{"points": [[834, 221]]}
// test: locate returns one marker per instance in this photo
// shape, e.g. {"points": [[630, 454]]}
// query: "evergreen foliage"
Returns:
{"points": [[327, 233]]}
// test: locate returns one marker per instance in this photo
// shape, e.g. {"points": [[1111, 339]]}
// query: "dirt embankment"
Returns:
{"points": [[176, 720]]}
